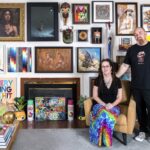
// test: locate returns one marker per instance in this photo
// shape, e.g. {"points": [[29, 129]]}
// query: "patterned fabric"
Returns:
{"points": [[102, 123]]}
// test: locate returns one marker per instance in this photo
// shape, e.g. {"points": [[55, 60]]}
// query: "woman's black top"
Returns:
{"points": [[108, 95]]}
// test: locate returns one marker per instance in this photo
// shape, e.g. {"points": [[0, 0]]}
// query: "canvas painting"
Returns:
{"points": [[19, 59], [7, 90], [50, 108]]}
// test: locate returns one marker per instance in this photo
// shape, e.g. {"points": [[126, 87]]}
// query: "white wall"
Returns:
{"points": [[83, 76]]}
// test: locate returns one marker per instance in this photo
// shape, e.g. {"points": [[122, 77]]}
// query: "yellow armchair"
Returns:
{"points": [[126, 120]]}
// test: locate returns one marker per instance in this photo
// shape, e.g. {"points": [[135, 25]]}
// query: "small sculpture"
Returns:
{"points": [[68, 35], [65, 9]]}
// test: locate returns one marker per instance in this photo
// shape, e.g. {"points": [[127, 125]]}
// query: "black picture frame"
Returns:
{"points": [[42, 22], [96, 35], [53, 59], [82, 35]]}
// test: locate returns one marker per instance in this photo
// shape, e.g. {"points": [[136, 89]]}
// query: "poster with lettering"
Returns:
{"points": [[7, 90]]}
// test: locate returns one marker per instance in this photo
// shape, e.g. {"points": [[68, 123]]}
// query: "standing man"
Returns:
{"points": [[138, 58]]}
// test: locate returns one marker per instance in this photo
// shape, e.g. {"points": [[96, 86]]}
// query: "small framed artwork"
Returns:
{"points": [[2, 65], [102, 11], [125, 43], [88, 59], [12, 21], [82, 35], [53, 60], [126, 18], [8, 90], [145, 17], [19, 59], [91, 80], [127, 75], [42, 22], [96, 34], [81, 13]]}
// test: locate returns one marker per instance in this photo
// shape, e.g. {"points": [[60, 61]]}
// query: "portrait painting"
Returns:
{"points": [[88, 59], [11, 22], [42, 21], [81, 13], [102, 11], [145, 17], [53, 59], [126, 18], [96, 33]]}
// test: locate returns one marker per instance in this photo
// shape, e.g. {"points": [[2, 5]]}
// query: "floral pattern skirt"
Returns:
{"points": [[102, 122]]}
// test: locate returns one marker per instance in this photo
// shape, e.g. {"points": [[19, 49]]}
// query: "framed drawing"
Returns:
{"points": [[2, 65], [145, 17], [126, 18], [127, 75], [102, 11], [7, 90], [81, 13], [12, 21], [53, 59], [88, 59], [42, 21], [96, 35], [82, 35], [19, 59]]}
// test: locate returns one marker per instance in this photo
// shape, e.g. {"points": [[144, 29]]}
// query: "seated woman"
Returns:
{"points": [[107, 94]]}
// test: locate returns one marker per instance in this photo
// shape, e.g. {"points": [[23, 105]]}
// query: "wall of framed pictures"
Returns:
{"points": [[79, 36]]}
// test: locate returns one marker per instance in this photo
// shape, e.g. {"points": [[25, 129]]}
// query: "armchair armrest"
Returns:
{"points": [[87, 110]]}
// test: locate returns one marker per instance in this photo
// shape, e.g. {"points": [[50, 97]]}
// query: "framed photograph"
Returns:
{"points": [[102, 12], [127, 75], [53, 59], [42, 22], [8, 90], [2, 65], [12, 21], [126, 18], [82, 35], [19, 59], [145, 17], [81, 13], [96, 34], [88, 59]]}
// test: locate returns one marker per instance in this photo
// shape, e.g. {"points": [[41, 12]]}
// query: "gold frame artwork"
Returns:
{"points": [[15, 31]]}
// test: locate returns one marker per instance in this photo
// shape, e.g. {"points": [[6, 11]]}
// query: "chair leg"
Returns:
{"points": [[124, 136]]}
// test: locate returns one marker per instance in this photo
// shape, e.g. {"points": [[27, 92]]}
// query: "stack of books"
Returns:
{"points": [[6, 132]]}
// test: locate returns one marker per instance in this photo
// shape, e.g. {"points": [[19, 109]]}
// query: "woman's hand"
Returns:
{"points": [[109, 106]]}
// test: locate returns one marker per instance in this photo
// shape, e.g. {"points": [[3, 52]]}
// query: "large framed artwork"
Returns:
{"points": [[81, 13], [7, 90], [42, 22], [88, 59], [102, 11], [126, 18], [19, 59], [2, 56], [145, 17], [53, 59], [12, 21]]}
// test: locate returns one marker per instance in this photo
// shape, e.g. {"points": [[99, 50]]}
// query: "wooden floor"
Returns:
{"points": [[53, 124]]}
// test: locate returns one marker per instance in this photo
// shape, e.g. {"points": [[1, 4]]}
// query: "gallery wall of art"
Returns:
{"points": [[51, 38]]}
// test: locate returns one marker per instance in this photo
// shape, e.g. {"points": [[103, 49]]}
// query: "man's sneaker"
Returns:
{"points": [[140, 137]]}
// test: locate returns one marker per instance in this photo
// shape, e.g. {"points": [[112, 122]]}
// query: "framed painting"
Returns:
{"points": [[126, 18], [42, 21], [102, 12], [88, 59], [12, 21], [81, 13], [7, 90], [145, 17], [127, 75], [19, 59], [53, 60], [2, 65], [96, 34], [82, 35]]}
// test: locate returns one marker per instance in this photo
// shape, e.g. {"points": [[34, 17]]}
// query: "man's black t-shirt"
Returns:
{"points": [[108, 95], [138, 57]]}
